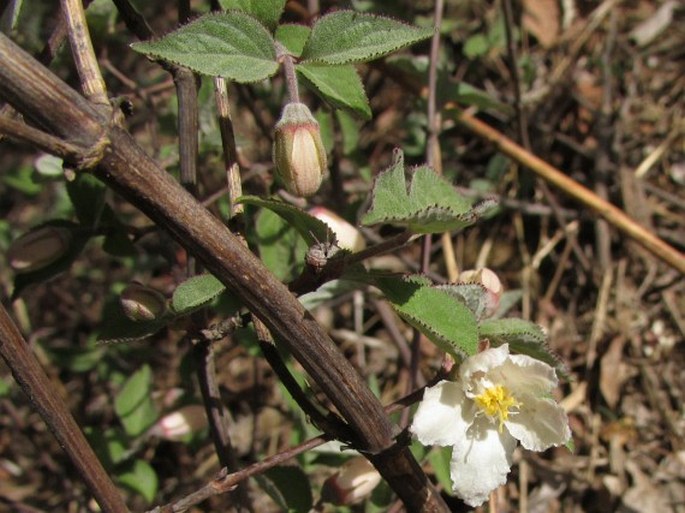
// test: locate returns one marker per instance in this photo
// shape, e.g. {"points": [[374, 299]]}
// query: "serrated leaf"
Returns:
{"points": [[293, 37], [195, 292], [345, 37], [338, 85], [231, 44], [523, 337], [444, 319], [311, 229], [133, 404], [431, 205], [473, 295], [289, 487], [140, 477], [266, 11]]}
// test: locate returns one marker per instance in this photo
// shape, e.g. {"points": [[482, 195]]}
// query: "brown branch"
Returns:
{"points": [[133, 174], [33, 381]]}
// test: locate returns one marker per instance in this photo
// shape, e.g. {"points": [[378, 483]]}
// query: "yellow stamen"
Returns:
{"points": [[496, 402]]}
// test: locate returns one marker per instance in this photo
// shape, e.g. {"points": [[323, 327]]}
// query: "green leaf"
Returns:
{"points": [[293, 37], [266, 11], [523, 337], [110, 445], [140, 477], [133, 404], [289, 487], [281, 248], [473, 295], [344, 37], [440, 316], [338, 85], [476, 46], [232, 44], [350, 131], [432, 205], [196, 292], [311, 229], [23, 180]]}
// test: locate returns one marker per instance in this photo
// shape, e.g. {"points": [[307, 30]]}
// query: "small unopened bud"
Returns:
{"points": [[38, 248], [181, 424], [488, 279], [347, 236], [298, 152], [353, 483], [141, 303]]}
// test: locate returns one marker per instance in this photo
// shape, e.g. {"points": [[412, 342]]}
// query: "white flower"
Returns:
{"points": [[498, 399]]}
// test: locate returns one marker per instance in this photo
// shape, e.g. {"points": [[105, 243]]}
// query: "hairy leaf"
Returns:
{"points": [[232, 44], [347, 36], [338, 85], [440, 316], [430, 205], [266, 11], [133, 404], [195, 292], [293, 37]]}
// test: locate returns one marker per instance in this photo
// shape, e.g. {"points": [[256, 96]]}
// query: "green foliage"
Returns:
{"points": [[133, 404], [281, 247], [344, 37], [233, 45], [293, 37], [140, 477], [311, 229], [289, 487], [439, 458], [338, 85], [440, 316], [116, 327], [22, 179], [196, 292], [266, 11], [430, 205]]}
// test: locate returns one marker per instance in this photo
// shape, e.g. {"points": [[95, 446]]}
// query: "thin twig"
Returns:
{"points": [[92, 83]]}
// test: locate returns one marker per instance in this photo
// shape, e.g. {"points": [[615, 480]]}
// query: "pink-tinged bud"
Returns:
{"points": [[181, 424], [141, 303], [38, 248], [353, 483], [348, 237], [488, 279], [298, 152]]}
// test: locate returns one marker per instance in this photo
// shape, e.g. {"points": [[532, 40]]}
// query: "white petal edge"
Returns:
{"points": [[483, 362], [480, 464], [439, 419], [528, 375], [539, 425]]}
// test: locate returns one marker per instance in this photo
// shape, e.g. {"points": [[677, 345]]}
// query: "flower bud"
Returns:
{"points": [[355, 481], [180, 424], [298, 152], [38, 248], [347, 236], [488, 279], [141, 303]]}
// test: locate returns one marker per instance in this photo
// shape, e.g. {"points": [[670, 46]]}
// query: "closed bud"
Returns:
{"points": [[352, 484], [347, 236], [488, 279], [181, 424], [38, 248], [141, 303], [298, 152]]}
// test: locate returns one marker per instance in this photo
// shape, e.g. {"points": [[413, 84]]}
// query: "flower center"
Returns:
{"points": [[495, 402]]}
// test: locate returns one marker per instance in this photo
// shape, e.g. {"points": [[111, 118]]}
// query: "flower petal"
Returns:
{"points": [[481, 364], [540, 424], [439, 420], [480, 463], [523, 374]]}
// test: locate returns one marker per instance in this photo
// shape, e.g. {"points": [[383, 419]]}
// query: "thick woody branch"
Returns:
{"points": [[139, 179]]}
